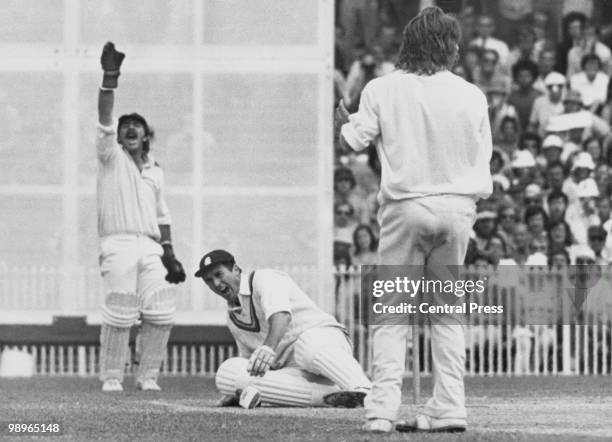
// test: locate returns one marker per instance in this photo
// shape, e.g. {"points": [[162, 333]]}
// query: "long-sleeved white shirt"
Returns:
{"points": [[129, 201], [432, 134], [264, 293]]}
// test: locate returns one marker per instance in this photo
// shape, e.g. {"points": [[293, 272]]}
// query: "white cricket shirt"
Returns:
{"points": [[432, 134], [129, 201], [268, 292]]}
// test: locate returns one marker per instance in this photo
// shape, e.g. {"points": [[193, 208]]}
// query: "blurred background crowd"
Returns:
{"points": [[545, 68]]}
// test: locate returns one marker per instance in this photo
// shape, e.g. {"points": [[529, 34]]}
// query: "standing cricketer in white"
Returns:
{"points": [[290, 351], [432, 134], [135, 242]]}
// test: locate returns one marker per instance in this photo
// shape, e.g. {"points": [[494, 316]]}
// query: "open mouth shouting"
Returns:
{"points": [[131, 139]]}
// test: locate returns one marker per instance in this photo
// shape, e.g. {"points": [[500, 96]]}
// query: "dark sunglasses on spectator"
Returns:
{"points": [[585, 261], [343, 212], [488, 60], [511, 216]]}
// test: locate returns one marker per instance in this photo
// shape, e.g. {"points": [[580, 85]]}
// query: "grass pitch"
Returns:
{"points": [[500, 409]]}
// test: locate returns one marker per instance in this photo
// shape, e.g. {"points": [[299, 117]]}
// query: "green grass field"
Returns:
{"points": [[500, 409]]}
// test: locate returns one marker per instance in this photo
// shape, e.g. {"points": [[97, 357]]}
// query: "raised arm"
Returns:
{"points": [[106, 100], [110, 60]]}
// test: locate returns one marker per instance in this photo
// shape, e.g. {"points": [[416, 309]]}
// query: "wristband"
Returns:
{"points": [[166, 243], [110, 80]]}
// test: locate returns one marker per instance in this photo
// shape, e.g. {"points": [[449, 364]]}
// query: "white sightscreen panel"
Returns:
{"points": [[261, 129], [31, 128], [164, 99], [263, 230], [181, 210], [261, 22], [88, 232], [30, 230], [31, 21], [136, 22]]}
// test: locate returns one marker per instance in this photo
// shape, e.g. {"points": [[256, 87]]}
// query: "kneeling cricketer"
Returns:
{"points": [[291, 353]]}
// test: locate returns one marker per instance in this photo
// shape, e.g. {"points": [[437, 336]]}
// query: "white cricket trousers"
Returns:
{"points": [[416, 232], [132, 264]]}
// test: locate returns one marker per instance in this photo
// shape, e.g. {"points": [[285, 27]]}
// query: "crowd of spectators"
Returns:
{"points": [[550, 108]]}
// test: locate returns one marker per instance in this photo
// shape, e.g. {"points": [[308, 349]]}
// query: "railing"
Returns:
{"points": [[510, 345], [510, 348], [83, 360]]}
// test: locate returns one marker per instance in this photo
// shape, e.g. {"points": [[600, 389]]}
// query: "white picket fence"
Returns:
{"points": [[510, 347], [491, 350], [83, 360]]}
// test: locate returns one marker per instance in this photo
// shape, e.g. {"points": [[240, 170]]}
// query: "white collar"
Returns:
{"points": [[245, 288]]}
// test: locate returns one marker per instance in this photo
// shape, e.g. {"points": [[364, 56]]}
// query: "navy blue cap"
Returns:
{"points": [[212, 259]]}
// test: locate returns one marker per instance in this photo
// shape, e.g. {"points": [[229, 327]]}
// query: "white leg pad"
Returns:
{"points": [[159, 307], [120, 309], [285, 387], [119, 313], [113, 350], [152, 349]]}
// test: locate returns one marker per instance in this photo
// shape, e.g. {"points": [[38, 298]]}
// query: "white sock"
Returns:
{"points": [[114, 342]]}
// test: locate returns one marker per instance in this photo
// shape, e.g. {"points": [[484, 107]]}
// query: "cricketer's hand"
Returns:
{"points": [[176, 273], [111, 60], [261, 360], [341, 117]]}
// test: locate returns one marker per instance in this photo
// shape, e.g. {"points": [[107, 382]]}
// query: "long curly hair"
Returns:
{"points": [[430, 42]]}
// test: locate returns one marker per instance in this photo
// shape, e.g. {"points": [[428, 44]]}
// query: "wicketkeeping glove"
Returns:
{"points": [[261, 360], [111, 60], [176, 273]]}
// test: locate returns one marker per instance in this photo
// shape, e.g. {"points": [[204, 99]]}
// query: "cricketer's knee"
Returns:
{"points": [[232, 375], [327, 352], [159, 306], [119, 313], [120, 309]]}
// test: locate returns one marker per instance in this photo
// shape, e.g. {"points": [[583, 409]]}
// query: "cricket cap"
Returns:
{"points": [[212, 259], [135, 117]]}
